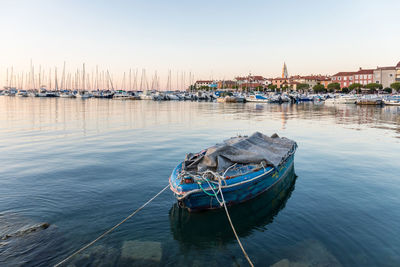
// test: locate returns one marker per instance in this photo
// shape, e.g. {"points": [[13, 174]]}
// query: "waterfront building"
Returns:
{"points": [[203, 83], [385, 75], [364, 76], [251, 82], [344, 78], [226, 84], [313, 80], [398, 72], [285, 83]]}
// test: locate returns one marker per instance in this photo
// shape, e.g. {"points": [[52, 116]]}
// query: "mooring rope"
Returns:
{"points": [[110, 230], [233, 228]]}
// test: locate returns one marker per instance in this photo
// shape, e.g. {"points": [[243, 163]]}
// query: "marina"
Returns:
{"points": [[217, 96], [331, 203]]}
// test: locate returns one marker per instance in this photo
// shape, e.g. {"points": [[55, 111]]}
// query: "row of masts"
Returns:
{"points": [[50, 79]]}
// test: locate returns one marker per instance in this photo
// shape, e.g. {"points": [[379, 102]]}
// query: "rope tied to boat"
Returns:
{"points": [[110, 230], [222, 202]]}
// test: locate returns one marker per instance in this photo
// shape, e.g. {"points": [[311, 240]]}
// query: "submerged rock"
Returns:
{"points": [[99, 256], [141, 253], [26, 231], [310, 253]]}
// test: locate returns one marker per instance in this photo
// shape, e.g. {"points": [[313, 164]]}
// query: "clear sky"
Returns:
{"points": [[218, 39]]}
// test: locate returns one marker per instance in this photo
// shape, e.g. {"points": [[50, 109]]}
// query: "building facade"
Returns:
{"points": [[364, 77], [203, 83], [343, 78], [313, 80], [398, 72], [385, 76]]}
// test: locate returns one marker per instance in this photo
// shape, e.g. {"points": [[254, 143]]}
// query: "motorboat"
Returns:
{"points": [[257, 98], [22, 93], [393, 100]]}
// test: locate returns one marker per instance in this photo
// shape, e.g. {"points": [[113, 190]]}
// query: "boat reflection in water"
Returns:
{"points": [[204, 227]]}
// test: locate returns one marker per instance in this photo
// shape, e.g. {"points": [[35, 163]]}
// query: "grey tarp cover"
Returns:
{"points": [[243, 150]]}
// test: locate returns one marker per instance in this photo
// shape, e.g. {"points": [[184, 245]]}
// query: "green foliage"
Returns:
{"points": [[345, 90], [333, 87], [319, 88], [373, 86], [259, 88], [388, 90], [203, 88], [272, 86], [355, 86], [303, 86], [395, 86]]}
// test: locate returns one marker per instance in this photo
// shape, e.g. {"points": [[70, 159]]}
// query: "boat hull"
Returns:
{"points": [[273, 182]]}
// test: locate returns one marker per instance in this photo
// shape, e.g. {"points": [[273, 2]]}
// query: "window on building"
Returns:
{"points": [[390, 75], [369, 76], [376, 81], [356, 77], [350, 78], [345, 84], [339, 78], [334, 78]]}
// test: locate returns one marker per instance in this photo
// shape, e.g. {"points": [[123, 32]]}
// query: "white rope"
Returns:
{"points": [[233, 229], [110, 230]]}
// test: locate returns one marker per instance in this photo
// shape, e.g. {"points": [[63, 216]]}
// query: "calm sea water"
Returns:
{"points": [[83, 165]]}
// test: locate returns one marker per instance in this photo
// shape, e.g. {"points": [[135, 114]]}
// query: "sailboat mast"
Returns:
{"points": [[83, 77]]}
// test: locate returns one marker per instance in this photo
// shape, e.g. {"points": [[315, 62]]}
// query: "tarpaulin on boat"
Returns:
{"points": [[242, 150]]}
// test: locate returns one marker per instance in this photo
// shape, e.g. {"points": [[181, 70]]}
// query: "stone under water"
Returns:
{"points": [[309, 253], [99, 256], [141, 253]]}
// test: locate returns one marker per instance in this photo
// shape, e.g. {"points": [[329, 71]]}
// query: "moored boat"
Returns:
{"points": [[392, 100], [241, 168], [257, 98], [370, 100]]}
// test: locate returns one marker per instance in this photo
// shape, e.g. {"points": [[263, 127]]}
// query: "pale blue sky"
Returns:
{"points": [[210, 38]]}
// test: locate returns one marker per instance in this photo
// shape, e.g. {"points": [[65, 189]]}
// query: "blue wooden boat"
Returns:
{"points": [[239, 183]]}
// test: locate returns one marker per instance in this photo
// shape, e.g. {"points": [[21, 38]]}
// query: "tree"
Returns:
{"points": [[373, 87], [259, 88], [395, 86], [333, 87], [355, 86], [345, 90], [388, 90], [303, 86], [319, 88], [272, 86]]}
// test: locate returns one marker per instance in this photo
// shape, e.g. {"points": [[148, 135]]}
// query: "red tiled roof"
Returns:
{"points": [[257, 77], [279, 79], [345, 73], [369, 71], [386, 68], [315, 77], [398, 65]]}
